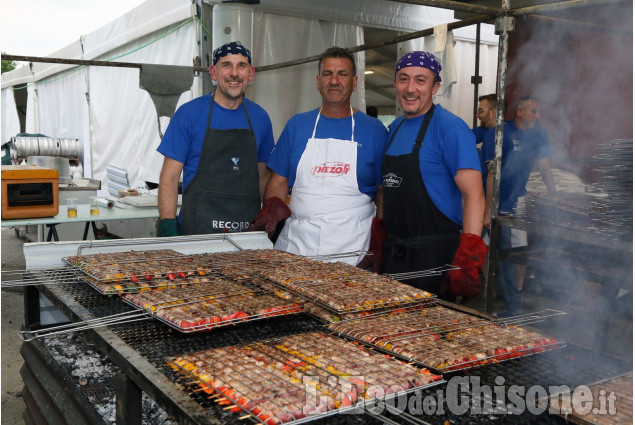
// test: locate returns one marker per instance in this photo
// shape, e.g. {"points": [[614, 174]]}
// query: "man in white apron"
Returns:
{"points": [[330, 157]]}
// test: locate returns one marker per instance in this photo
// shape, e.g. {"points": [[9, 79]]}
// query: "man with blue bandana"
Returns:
{"points": [[433, 195], [221, 142]]}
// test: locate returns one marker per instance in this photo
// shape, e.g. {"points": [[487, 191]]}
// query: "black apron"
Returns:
{"points": [[224, 194], [420, 236]]}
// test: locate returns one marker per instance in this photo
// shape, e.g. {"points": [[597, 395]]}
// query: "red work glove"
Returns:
{"points": [[274, 210], [466, 282], [375, 257]]}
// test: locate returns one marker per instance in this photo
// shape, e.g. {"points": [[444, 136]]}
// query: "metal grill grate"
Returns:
{"points": [[155, 342], [445, 339], [271, 380]]}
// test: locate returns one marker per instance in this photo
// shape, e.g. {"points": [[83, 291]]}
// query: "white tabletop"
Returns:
{"points": [[83, 215]]}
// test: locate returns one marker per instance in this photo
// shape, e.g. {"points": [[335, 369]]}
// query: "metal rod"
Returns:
{"points": [[423, 273], [455, 5], [503, 24], [149, 241], [528, 318], [115, 319], [542, 8], [607, 28], [62, 275], [338, 255], [393, 40], [70, 61], [477, 62], [233, 242]]}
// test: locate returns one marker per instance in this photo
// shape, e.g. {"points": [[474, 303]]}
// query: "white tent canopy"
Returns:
{"points": [[116, 120]]}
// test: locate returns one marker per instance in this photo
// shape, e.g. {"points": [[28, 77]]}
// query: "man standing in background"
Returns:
{"points": [[525, 142], [486, 114]]}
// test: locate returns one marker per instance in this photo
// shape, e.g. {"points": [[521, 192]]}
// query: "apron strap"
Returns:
{"points": [[424, 127], [318, 118], [209, 116]]}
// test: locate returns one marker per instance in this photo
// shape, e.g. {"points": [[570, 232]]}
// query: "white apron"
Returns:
{"points": [[329, 215]]}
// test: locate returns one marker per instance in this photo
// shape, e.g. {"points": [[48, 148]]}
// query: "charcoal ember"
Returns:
{"points": [[94, 373]]}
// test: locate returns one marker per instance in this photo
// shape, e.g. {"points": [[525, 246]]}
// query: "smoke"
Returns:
{"points": [[579, 64]]}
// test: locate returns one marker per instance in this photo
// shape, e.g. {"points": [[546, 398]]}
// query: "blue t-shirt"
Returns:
{"points": [[370, 135], [521, 148], [479, 133], [448, 146], [183, 139]]}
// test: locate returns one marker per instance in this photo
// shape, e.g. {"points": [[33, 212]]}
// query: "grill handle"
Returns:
{"points": [[115, 319]]}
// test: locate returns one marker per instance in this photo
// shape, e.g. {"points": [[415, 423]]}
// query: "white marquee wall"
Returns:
{"points": [[116, 120]]}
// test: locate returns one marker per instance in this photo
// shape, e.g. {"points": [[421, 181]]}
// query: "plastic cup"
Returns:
{"points": [[94, 205], [71, 207]]}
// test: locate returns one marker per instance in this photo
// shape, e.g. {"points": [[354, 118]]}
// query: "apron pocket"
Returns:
{"points": [[218, 212], [419, 254]]}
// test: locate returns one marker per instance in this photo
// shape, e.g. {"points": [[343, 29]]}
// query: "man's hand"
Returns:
{"points": [[466, 282], [168, 227], [274, 210], [375, 257]]}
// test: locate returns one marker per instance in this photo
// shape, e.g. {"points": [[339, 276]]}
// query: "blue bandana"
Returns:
{"points": [[231, 48], [422, 60]]}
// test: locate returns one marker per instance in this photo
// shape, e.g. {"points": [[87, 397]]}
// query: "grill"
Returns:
{"points": [[295, 378], [609, 411], [141, 351], [444, 339], [605, 210]]}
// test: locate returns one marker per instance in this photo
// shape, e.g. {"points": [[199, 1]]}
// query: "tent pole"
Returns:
{"points": [[473, 20], [70, 61]]}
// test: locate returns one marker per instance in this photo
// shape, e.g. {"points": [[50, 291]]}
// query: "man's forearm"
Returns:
{"points": [[169, 187], [470, 183], [547, 176], [277, 186], [473, 212], [263, 178], [168, 198]]}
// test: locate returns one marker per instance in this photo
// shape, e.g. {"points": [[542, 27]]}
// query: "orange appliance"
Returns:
{"points": [[29, 191]]}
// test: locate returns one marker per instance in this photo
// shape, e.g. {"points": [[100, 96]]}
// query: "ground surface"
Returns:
{"points": [[12, 312]]}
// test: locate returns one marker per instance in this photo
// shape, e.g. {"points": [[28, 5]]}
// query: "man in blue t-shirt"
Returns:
{"points": [[433, 193], [221, 143], [330, 158], [525, 142], [486, 114]]}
